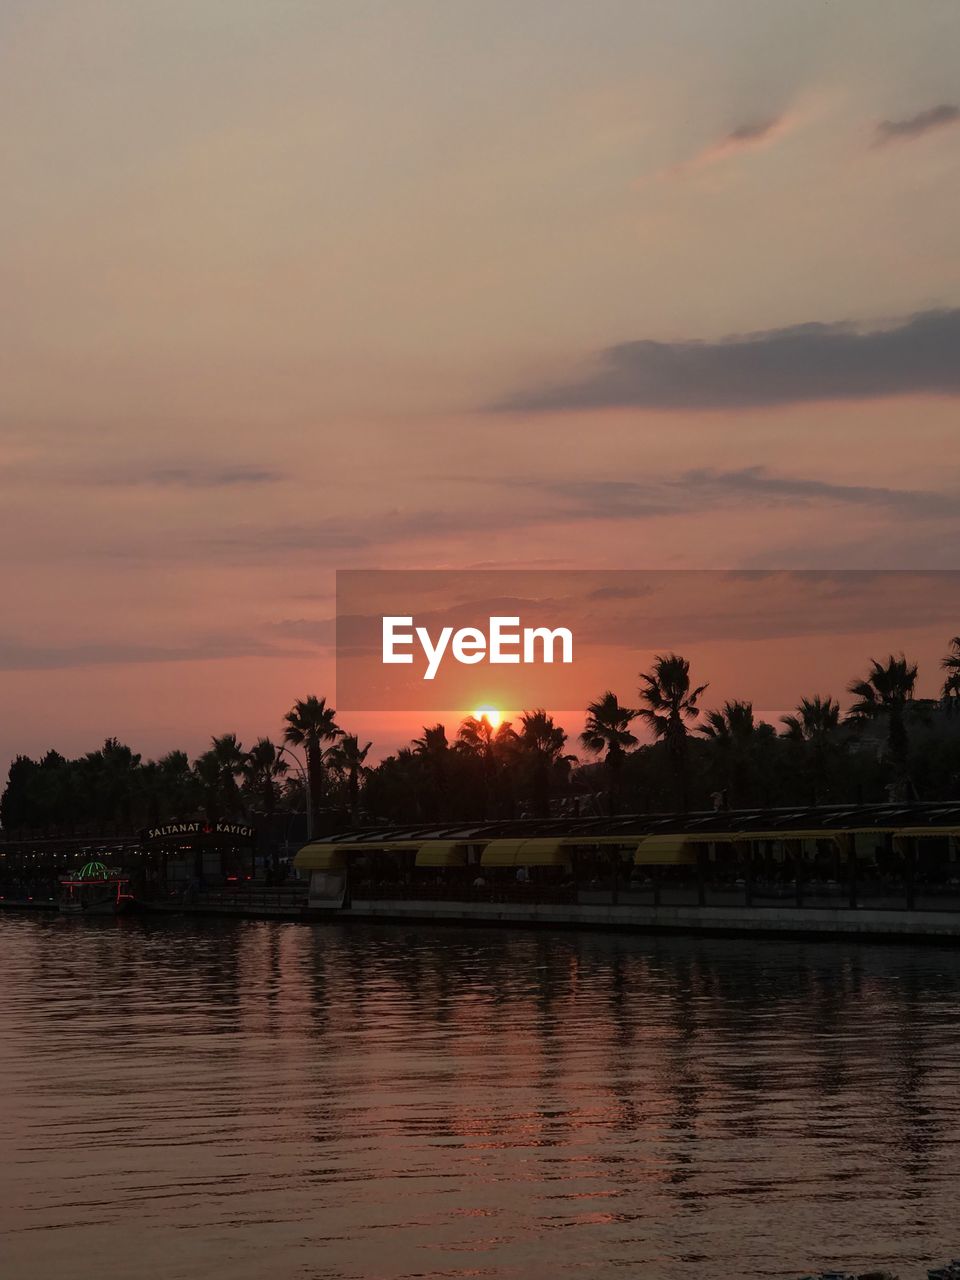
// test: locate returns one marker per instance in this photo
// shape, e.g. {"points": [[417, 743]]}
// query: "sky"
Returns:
{"points": [[309, 285]]}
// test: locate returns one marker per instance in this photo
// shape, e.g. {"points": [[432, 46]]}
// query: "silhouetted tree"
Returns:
{"points": [[671, 701], [310, 724], [347, 760], [885, 694], [607, 730], [732, 734]]}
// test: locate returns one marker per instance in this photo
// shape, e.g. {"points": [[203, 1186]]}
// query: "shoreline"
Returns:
{"points": [[857, 924]]}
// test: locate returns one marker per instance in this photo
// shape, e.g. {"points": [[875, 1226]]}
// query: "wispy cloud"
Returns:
{"points": [[170, 476], [189, 477], [548, 503], [17, 655], [806, 362], [945, 113], [708, 488], [746, 137], [749, 136]]}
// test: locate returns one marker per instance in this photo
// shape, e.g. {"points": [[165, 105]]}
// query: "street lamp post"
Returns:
{"points": [[305, 775]]}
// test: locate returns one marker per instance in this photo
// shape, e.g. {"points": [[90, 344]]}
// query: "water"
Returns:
{"points": [[240, 1100]]}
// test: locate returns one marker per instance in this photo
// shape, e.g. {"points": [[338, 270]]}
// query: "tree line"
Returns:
{"points": [[887, 745]]}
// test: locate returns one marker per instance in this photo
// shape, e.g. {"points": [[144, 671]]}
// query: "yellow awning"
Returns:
{"points": [[670, 851], [442, 853], [501, 853], [543, 853], [320, 857]]}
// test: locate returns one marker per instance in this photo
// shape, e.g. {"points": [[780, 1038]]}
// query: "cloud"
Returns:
{"points": [[706, 488], [166, 477], [17, 655], [316, 631], [191, 477], [543, 503], [750, 136], [920, 354], [915, 126], [745, 138]]}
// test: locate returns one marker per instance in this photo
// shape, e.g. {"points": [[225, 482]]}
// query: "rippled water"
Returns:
{"points": [[239, 1099]]}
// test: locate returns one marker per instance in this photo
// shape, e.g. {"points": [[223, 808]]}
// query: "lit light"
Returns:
{"points": [[490, 714]]}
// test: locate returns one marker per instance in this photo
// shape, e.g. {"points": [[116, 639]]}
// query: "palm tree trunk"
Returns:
{"points": [[354, 788], [315, 776]]}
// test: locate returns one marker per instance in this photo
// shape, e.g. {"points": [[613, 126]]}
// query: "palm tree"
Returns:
{"points": [[476, 735], [232, 760], [815, 727], [491, 749], [607, 729], [434, 741], [309, 724], [950, 694], [433, 750], [671, 702], [885, 694], [541, 742], [175, 787], [264, 769], [347, 759], [731, 730], [207, 770]]}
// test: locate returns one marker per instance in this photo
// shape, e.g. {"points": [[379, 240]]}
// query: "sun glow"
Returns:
{"points": [[490, 714]]}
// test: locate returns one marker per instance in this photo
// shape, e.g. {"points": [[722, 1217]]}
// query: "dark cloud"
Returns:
{"points": [[914, 126], [775, 366]]}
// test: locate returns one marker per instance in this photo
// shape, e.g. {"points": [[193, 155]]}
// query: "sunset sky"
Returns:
{"points": [[296, 286]]}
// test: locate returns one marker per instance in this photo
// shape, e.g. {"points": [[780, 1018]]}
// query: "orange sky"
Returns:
{"points": [[298, 287]]}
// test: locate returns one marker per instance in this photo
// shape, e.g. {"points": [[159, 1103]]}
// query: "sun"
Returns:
{"points": [[490, 714]]}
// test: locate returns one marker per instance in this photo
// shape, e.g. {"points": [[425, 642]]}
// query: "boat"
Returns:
{"points": [[95, 890]]}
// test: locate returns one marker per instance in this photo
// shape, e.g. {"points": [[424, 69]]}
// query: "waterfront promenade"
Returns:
{"points": [[882, 871]]}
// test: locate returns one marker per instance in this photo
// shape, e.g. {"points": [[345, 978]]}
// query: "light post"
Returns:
{"points": [[305, 775]]}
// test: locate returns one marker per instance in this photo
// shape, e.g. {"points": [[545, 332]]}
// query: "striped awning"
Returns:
{"points": [[442, 853]]}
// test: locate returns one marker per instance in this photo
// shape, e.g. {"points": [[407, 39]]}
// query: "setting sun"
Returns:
{"points": [[490, 714]]}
